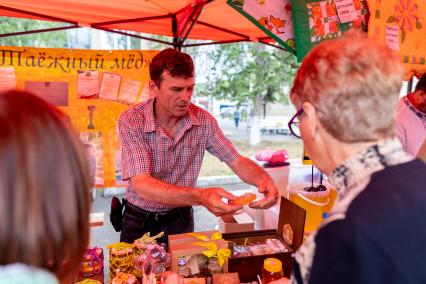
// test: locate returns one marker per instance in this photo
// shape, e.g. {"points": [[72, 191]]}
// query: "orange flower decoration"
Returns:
{"points": [[406, 15]]}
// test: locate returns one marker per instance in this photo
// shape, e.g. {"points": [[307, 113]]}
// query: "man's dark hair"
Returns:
{"points": [[177, 63], [421, 84]]}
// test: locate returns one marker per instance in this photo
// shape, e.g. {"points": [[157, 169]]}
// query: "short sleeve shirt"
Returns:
{"points": [[147, 149], [410, 126]]}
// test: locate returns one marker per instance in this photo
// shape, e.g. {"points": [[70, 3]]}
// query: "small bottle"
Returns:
{"points": [[272, 270]]}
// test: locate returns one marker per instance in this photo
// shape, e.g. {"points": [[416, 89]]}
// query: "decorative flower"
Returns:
{"points": [[406, 15]]}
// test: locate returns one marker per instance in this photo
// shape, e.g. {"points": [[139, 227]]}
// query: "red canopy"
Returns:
{"points": [[181, 19]]}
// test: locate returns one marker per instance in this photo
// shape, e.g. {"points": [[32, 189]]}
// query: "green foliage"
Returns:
{"points": [[47, 39], [245, 71]]}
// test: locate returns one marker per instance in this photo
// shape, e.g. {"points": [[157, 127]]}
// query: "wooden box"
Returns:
{"points": [[248, 267]]}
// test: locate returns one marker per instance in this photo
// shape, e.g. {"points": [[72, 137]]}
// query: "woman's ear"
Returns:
{"points": [[311, 117]]}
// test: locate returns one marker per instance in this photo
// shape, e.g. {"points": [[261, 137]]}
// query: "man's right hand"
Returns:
{"points": [[211, 198]]}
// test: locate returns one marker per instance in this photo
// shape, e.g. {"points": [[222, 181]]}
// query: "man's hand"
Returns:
{"points": [[211, 198], [268, 188]]}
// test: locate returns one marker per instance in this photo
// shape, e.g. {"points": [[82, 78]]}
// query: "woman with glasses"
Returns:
{"points": [[346, 92]]}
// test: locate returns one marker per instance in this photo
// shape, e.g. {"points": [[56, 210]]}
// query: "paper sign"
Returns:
{"points": [[146, 93], [87, 83], [110, 85], [129, 91], [7, 79], [392, 37], [346, 10], [55, 93]]}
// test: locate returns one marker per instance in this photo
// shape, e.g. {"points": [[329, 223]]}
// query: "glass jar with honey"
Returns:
{"points": [[272, 270]]}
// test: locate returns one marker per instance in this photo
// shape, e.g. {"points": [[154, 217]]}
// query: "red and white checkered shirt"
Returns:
{"points": [[146, 148]]}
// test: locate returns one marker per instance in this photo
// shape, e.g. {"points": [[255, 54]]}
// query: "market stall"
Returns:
{"points": [[398, 26]]}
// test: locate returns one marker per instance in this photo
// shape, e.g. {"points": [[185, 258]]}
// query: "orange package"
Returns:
{"points": [[244, 199]]}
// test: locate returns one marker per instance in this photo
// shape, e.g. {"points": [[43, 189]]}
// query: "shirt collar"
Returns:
{"points": [[148, 113], [186, 121], [362, 165], [418, 113]]}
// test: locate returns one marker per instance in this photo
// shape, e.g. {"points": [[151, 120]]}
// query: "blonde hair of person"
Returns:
{"points": [[353, 82], [44, 187]]}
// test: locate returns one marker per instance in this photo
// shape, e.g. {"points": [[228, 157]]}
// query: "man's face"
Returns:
{"points": [[419, 100], [173, 95]]}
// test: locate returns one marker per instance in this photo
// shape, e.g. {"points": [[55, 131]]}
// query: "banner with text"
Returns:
{"points": [[92, 86]]}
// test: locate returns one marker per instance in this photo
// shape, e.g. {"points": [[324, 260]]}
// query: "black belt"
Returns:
{"points": [[157, 216]]}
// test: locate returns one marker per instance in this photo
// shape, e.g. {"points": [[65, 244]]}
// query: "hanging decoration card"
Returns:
{"points": [[400, 25], [318, 20], [7, 79], [129, 91], [88, 84], [271, 16], [110, 84]]}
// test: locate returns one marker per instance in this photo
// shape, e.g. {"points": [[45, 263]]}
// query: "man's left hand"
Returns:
{"points": [[268, 188]]}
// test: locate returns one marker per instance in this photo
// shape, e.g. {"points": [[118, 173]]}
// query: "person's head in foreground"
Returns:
{"points": [[418, 97], [172, 81], [346, 91], [44, 187]]}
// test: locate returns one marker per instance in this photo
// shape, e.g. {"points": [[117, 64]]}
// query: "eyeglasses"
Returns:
{"points": [[293, 124]]}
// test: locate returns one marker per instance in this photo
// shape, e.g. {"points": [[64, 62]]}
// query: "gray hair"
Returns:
{"points": [[353, 82]]}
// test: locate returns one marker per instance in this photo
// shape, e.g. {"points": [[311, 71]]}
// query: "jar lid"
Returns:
{"points": [[273, 265]]}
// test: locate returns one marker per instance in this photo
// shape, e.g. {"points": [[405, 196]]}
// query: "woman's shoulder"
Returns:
{"points": [[21, 273]]}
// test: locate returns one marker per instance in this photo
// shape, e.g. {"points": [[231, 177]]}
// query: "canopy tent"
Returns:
{"points": [[211, 20]]}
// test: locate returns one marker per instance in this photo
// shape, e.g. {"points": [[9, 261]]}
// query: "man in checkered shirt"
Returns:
{"points": [[164, 140]]}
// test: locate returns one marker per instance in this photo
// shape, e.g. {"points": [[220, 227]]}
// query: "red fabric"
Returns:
{"points": [[146, 148], [89, 12]]}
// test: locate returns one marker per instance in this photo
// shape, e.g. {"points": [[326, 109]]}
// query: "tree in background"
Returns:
{"points": [[252, 73], [47, 39]]}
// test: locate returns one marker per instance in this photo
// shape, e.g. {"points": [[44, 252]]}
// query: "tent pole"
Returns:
{"points": [[174, 31], [39, 31], [132, 35], [189, 24], [129, 20]]}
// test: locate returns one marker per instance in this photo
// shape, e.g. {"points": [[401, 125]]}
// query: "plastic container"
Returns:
{"points": [[315, 203], [272, 270]]}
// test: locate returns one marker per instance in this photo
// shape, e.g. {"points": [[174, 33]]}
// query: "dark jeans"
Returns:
{"points": [[137, 222]]}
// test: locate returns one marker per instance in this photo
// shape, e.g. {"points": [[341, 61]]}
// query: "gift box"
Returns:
{"points": [[192, 257], [236, 223], [193, 237], [280, 243]]}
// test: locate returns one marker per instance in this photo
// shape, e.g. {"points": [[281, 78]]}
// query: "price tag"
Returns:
{"points": [[346, 10], [392, 37]]}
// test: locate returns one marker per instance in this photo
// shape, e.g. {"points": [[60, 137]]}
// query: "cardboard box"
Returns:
{"points": [[185, 238], [236, 223], [291, 216], [184, 255]]}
